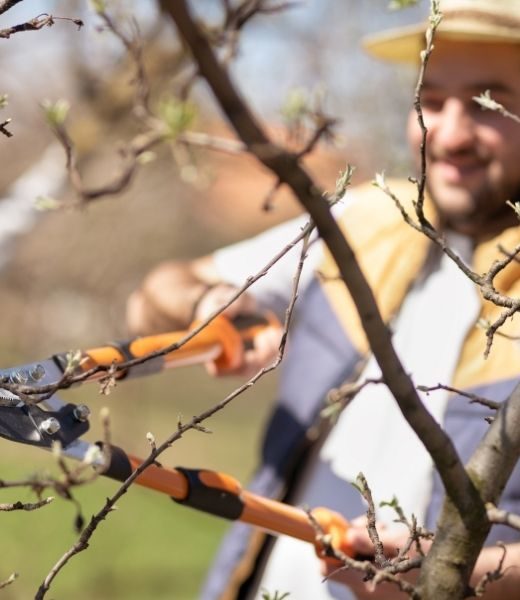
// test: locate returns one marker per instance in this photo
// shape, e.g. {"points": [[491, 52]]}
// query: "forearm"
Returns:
{"points": [[169, 294], [174, 293]]}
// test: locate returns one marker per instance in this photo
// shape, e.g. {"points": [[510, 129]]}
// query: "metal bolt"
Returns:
{"points": [[81, 412], [20, 376], [37, 372], [50, 426]]}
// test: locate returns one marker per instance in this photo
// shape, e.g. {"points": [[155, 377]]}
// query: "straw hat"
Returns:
{"points": [[475, 20]]}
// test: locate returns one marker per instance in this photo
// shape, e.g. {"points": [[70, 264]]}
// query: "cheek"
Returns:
{"points": [[414, 135], [503, 146]]}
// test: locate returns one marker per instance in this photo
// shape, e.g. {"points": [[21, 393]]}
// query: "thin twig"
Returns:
{"points": [[502, 517], [6, 5], [4, 130], [28, 506], [474, 398], [68, 379], [492, 576], [435, 19], [43, 20], [195, 423], [338, 399], [487, 103], [379, 553], [285, 166], [11, 577], [486, 281]]}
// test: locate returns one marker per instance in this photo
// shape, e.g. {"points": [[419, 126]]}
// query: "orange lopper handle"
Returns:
{"points": [[222, 495], [336, 526], [221, 341]]}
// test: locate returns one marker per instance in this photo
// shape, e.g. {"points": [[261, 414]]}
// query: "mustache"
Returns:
{"points": [[476, 155]]}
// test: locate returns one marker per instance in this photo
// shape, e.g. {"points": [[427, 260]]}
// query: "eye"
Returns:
{"points": [[431, 102]]}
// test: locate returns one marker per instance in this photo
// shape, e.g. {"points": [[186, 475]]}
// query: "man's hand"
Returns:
{"points": [[392, 539], [265, 345], [174, 294]]}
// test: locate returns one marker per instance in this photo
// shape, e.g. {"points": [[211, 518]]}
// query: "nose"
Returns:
{"points": [[452, 129]]}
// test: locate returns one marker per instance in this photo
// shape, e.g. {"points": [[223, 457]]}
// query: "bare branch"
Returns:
{"points": [[285, 166], [195, 423], [379, 554], [28, 506], [435, 19], [486, 102], [43, 20], [389, 573], [474, 398], [491, 576], [341, 397], [133, 45], [4, 130], [485, 282], [502, 517], [6, 5], [417, 534], [11, 577]]}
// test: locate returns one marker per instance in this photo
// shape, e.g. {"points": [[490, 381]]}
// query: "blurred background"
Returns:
{"points": [[65, 274]]}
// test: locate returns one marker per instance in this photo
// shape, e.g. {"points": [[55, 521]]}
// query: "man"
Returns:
{"points": [[431, 306]]}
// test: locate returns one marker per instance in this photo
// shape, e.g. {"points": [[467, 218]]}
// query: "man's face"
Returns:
{"points": [[473, 155]]}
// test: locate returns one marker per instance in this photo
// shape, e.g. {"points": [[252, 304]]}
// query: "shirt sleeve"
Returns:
{"points": [[240, 261], [18, 213]]}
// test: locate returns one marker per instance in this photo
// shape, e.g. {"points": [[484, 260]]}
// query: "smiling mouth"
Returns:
{"points": [[456, 172]]}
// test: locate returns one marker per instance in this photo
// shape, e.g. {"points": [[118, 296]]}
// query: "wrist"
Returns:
{"points": [[222, 297], [199, 295]]}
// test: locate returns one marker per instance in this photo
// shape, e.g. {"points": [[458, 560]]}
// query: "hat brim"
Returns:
{"points": [[404, 44]]}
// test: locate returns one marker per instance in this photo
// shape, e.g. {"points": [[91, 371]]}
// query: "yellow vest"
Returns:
{"points": [[391, 254]]}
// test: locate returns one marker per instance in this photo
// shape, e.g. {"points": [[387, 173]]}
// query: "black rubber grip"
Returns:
{"points": [[119, 468], [246, 321], [214, 501]]}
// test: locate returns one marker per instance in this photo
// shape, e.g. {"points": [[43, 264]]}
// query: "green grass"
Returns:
{"points": [[149, 547]]}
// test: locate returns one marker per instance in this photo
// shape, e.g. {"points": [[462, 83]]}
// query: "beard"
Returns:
{"points": [[473, 207]]}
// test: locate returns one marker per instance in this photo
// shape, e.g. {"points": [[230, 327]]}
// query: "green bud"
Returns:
{"points": [[55, 112], [343, 181], [176, 115], [296, 105], [73, 358], [515, 206], [46, 203], [486, 101], [146, 157], [98, 6], [380, 181], [400, 4]]}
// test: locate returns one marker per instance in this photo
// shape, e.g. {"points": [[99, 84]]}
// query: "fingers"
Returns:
{"points": [[146, 315], [358, 537], [265, 345], [264, 352], [218, 296], [143, 318]]}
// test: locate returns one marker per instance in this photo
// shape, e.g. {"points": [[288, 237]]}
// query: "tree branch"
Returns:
{"points": [[35, 24], [6, 5], [286, 167], [195, 423], [502, 517]]}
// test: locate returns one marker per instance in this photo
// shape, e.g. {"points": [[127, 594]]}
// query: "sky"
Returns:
{"points": [[274, 49], [313, 45]]}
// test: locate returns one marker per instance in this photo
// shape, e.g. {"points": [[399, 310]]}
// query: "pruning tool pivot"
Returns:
{"points": [[32, 413]]}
